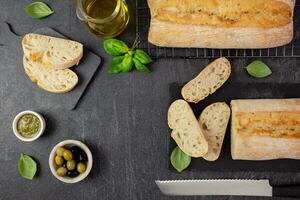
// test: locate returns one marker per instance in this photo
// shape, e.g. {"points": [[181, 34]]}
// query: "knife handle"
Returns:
{"points": [[286, 191]]}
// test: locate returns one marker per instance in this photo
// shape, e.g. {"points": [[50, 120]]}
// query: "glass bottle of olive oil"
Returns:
{"points": [[105, 18]]}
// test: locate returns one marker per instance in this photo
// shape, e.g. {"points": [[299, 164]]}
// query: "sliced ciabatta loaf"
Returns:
{"points": [[186, 130], [56, 53], [208, 81], [213, 122], [51, 80]]}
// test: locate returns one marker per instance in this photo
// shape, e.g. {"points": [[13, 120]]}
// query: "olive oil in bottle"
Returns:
{"points": [[106, 18]]}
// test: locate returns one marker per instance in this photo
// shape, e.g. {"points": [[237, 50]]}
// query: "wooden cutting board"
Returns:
{"points": [[228, 92], [16, 79]]}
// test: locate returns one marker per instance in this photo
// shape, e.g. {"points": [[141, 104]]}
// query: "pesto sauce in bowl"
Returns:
{"points": [[28, 125]]}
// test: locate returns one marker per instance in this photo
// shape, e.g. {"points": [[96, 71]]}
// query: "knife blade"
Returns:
{"points": [[223, 187]]}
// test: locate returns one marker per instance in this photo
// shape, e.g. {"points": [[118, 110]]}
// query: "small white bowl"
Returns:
{"points": [[70, 143], [28, 139]]}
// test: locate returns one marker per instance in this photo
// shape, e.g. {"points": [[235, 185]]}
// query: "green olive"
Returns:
{"points": [[71, 164], [61, 171], [60, 151], [68, 155], [81, 167], [59, 160]]}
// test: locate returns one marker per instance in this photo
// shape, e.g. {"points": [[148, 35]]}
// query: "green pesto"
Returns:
{"points": [[28, 125]]}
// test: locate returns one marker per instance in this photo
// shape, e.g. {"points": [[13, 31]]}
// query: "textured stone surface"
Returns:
{"points": [[122, 118]]}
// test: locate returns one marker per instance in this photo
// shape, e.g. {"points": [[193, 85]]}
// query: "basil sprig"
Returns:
{"points": [[38, 10], [258, 69], [27, 166], [179, 160], [124, 58]]}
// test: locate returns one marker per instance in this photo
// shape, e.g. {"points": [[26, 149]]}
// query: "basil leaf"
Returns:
{"points": [[38, 10], [258, 69], [126, 64], [114, 66], [27, 166], [142, 56], [115, 47], [179, 159], [139, 66]]}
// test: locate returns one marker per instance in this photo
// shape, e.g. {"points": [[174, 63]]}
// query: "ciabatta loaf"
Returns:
{"points": [[265, 129], [208, 81], [220, 23], [55, 53], [186, 130], [51, 80], [213, 122]]}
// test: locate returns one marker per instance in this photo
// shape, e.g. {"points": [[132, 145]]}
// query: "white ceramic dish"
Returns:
{"points": [[28, 139], [70, 143]]}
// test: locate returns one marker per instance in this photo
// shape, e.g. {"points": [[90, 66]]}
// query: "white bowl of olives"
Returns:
{"points": [[70, 161]]}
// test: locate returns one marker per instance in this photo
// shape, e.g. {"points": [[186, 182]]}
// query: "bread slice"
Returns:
{"points": [[208, 81], [186, 130], [213, 122], [55, 53], [51, 80]]}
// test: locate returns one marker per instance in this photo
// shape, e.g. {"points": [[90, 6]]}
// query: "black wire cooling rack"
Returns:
{"points": [[142, 27]]}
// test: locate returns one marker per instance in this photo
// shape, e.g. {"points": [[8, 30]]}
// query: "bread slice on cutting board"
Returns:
{"points": [[186, 130], [51, 80], [55, 53], [208, 81], [213, 122]]}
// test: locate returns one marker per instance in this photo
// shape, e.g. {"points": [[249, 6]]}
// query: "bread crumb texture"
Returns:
{"points": [[51, 80], [213, 122], [52, 52], [208, 81], [186, 130]]}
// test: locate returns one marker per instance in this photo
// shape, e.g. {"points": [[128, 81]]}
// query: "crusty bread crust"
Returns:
{"points": [[270, 123], [273, 133], [167, 34], [263, 105], [291, 3], [190, 36]]}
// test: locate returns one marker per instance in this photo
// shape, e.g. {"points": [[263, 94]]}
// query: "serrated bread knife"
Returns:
{"points": [[223, 187]]}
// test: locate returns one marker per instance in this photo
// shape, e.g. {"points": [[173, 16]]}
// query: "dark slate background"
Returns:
{"points": [[122, 118]]}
